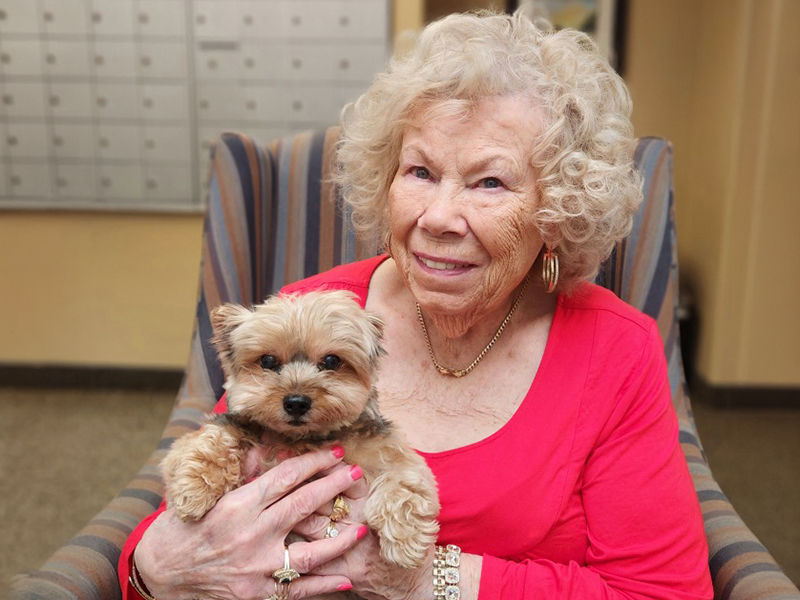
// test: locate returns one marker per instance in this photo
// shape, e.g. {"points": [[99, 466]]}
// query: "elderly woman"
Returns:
{"points": [[494, 159]]}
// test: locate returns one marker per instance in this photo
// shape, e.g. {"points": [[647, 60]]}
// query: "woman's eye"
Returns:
{"points": [[421, 173], [269, 361], [490, 183], [329, 362]]}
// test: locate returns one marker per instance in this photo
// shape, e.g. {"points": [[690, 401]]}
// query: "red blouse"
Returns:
{"points": [[584, 493]]}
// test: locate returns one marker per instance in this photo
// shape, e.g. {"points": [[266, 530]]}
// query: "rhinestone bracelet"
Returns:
{"points": [[445, 573]]}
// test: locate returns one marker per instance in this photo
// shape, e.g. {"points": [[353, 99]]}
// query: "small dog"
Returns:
{"points": [[299, 375]]}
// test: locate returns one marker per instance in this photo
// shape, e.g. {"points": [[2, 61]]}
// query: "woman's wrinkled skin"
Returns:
{"points": [[461, 211]]}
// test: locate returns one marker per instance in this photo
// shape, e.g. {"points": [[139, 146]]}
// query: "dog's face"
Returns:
{"points": [[299, 365]]}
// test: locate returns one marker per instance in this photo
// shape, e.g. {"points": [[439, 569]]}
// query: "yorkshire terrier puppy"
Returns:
{"points": [[299, 375]]}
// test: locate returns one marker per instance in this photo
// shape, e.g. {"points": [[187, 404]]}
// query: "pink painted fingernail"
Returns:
{"points": [[338, 451], [345, 586], [362, 531], [356, 472]]}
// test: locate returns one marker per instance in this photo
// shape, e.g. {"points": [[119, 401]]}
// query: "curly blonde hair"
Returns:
{"points": [[588, 188]]}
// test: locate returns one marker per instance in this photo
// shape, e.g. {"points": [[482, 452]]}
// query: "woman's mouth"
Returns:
{"points": [[438, 264]]}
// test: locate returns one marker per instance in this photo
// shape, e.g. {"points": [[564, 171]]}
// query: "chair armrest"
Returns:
{"points": [[741, 567]]}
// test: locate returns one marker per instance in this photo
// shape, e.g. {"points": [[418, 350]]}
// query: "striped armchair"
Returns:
{"points": [[272, 218]]}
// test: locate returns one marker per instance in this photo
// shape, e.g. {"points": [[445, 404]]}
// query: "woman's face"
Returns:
{"points": [[461, 207]]}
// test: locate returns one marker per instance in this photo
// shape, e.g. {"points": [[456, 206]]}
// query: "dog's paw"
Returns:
{"points": [[410, 552], [403, 513], [199, 469], [191, 499]]}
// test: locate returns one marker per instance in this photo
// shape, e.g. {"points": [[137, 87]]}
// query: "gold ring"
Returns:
{"points": [[286, 575], [340, 509]]}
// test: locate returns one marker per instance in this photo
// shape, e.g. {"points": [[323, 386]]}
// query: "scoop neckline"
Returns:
{"points": [[526, 400]]}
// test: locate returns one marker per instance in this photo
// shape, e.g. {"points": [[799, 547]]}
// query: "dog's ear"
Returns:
{"points": [[377, 323], [371, 420], [224, 320], [376, 335]]}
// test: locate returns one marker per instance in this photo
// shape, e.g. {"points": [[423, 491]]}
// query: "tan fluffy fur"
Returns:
{"points": [[299, 331]]}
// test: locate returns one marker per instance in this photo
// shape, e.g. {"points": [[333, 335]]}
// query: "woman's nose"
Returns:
{"points": [[443, 214]]}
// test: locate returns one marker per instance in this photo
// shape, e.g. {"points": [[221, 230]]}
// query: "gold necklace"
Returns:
{"points": [[466, 370]]}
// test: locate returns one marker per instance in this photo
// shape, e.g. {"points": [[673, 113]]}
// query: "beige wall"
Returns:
{"points": [[717, 77], [98, 289], [721, 79]]}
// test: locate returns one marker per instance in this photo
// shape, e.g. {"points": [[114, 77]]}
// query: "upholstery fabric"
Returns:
{"points": [[273, 218]]}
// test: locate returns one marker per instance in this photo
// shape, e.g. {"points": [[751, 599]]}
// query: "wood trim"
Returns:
{"points": [[70, 377], [735, 396]]}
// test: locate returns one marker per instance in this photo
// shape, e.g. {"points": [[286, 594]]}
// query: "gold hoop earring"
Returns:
{"points": [[550, 270]]}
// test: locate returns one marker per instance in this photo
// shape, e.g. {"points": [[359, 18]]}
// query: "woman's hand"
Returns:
{"points": [[375, 579], [371, 576], [232, 552]]}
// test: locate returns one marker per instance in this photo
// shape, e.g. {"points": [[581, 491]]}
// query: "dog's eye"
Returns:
{"points": [[329, 362], [268, 361]]}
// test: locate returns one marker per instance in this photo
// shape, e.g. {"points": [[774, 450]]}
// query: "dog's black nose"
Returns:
{"points": [[296, 405]]}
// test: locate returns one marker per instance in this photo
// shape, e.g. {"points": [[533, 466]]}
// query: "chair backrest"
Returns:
{"points": [[643, 267]]}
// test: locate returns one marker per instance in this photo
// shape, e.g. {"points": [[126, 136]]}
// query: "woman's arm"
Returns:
{"points": [[126, 556], [644, 526], [230, 552]]}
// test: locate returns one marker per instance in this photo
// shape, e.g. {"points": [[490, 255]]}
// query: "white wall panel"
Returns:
{"points": [[167, 182], [70, 100], [21, 57], [114, 58], [73, 141], [115, 103], [19, 16], [3, 177], [167, 143], [70, 17], [113, 18], [162, 17], [30, 179], [24, 99], [165, 102], [76, 182], [214, 19], [121, 181], [26, 140], [163, 59], [119, 142], [67, 58]]}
